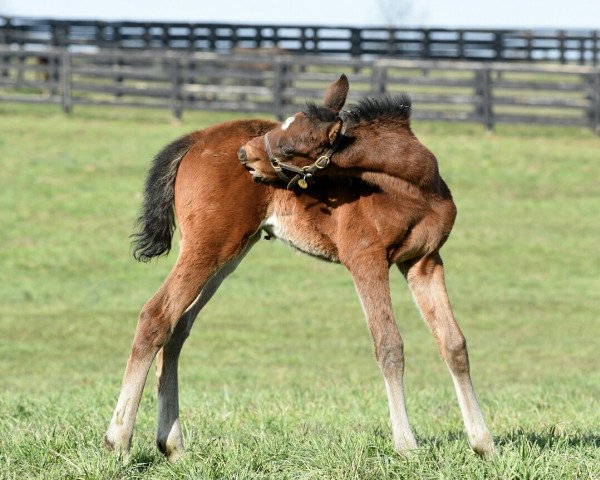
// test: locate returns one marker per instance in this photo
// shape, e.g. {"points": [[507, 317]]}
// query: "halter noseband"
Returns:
{"points": [[304, 175]]}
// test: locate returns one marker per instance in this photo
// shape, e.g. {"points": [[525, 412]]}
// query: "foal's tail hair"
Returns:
{"points": [[156, 222]]}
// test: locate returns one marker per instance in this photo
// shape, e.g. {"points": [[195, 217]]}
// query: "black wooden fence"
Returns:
{"points": [[556, 45], [486, 93]]}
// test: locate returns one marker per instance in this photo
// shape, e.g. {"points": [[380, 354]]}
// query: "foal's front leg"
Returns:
{"points": [[371, 278]]}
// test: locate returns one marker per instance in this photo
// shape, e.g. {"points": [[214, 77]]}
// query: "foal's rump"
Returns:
{"points": [[196, 178], [214, 195]]}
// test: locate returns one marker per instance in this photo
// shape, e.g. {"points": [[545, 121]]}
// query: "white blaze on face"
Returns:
{"points": [[287, 123]]}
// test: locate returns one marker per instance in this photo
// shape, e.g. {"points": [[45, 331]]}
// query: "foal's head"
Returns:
{"points": [[299, 140]]}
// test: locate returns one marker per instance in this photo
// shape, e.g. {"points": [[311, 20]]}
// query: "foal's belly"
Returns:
{"points": [[302, 234]]}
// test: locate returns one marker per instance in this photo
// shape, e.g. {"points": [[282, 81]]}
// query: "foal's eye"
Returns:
{"points": [[287, 151]]}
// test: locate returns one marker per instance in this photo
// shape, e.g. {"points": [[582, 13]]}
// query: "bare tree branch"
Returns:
{"points": [[395, 13]]}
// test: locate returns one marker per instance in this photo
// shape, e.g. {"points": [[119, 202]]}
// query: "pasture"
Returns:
{"points": [[278, 378]]}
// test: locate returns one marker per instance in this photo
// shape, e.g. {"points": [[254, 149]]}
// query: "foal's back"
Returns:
{"points": [[216, 201]]}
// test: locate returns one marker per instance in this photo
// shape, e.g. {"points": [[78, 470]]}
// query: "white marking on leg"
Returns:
{"points": [[404, 439], [478, 434], [120, 430], [287, 123]]}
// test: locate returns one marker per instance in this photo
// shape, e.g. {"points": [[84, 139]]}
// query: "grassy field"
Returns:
{"points": [[275, 385]]}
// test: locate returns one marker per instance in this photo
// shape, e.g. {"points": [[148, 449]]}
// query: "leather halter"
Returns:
{"points": [[303, 175]]}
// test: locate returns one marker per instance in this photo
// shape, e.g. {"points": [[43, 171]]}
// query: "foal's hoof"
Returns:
{"points": [[110, 444], [174, 455], [172, 451], [405, 449], [484, 447], [113, 446], [406, 454]]}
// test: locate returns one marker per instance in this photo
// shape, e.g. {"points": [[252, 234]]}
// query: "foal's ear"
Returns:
{"points": [[336, 93], [334, 130]]}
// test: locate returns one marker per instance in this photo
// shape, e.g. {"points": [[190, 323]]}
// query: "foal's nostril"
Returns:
{"points": [[242, 157]]}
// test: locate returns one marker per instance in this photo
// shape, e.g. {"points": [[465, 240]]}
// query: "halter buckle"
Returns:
{"points": [[322, 162], [275, 164]]}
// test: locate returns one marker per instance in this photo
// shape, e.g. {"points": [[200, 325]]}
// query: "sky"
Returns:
{"points": [[449, 13]]}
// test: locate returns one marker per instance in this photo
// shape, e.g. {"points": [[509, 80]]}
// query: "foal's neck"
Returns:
{"points": [[389, 148]]}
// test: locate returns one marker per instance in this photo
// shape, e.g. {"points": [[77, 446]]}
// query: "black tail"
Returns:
{"points": [[157, 217]]}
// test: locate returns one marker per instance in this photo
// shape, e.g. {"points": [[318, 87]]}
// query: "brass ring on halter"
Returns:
{"points": [[322, 162]]}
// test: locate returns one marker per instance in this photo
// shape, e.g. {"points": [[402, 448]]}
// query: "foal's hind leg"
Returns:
{"points": [[426, 281], [371, 278], [156, 323], [169, 438]]}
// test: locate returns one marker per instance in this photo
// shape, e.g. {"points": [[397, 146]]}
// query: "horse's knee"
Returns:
{"points": [[390, 356]]}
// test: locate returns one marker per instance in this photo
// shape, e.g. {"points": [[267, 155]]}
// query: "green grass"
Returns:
{"points": [[281, 385]]}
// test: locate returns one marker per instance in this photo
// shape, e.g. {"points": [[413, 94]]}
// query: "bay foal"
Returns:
{"points": [[367, 222]]}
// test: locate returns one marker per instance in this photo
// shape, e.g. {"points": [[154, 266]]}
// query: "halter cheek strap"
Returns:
{"points": [[304, 175]]}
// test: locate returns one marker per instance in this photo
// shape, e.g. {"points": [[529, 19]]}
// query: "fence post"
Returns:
{"points": [[53, 34], [4, 60], [278, 87], [67, 101], [355, 47], [425, 52], [483, 90], [461, 44], [5, 39], [117, 37], [20, 68], [391, 41], [53, 74], [176, 102], [596, 100], [378, 79], [561, 47], [499, 45], [4, 31], [119, 78]]}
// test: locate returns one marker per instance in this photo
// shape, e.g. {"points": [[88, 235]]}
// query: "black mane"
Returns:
{"points": [[385, 107]]}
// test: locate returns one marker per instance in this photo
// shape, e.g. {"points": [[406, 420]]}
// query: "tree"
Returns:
{"points": [[395, 13]]}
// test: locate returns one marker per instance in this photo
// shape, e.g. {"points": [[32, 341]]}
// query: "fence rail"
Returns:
{"points": [[557, 45], [487, 93]]}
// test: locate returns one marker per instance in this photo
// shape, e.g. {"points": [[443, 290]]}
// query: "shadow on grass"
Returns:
{"points": [[143, 461], [443, 439], [550, 438]]}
